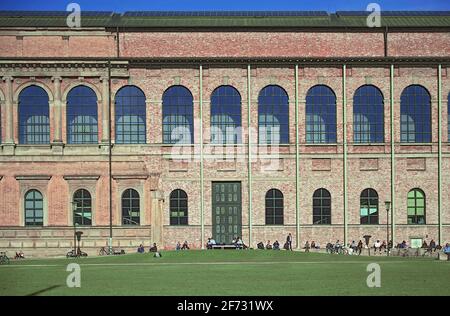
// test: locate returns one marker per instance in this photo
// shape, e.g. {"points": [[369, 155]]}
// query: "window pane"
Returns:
{"points": [[273, 115], [82, 116]]}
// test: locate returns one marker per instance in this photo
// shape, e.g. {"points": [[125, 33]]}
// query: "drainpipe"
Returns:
{"points": [[202, 217], [297, 164], [249, 158], [440, 154], [344, 127], [391, 81]]}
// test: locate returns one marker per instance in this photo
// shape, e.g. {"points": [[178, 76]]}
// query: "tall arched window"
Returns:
{"points": [[368, 115], [178, 113], [273, 115], [369, 206], [130, 116], [131, 210], [320, 115], [34, 122], [34, 208], [82, 121], [178, 207], [274, 207], [83, 212], [415, 119], [226, 116], [416, 207], [321, 207]]}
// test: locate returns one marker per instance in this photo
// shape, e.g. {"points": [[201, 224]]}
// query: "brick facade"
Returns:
{"points": [[58, 170]]}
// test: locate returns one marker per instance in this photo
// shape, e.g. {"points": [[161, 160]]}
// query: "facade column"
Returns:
{"points": [[344, 128], [202, 197], [9, 124], [391, 88], [297, 165], [156, 223], [440, 241], [249, 154], [57, 117], [105, 110]]}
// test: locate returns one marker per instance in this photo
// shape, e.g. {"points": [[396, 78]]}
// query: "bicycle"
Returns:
{"points": [[106, 251], [4, 258]]}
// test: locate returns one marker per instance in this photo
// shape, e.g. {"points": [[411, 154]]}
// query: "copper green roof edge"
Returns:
{"points": [[226, 21]]}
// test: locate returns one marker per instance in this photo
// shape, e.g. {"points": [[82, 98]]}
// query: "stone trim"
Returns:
{"points": [[33, 177]]}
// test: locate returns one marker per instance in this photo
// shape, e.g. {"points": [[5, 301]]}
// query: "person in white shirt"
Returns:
{"points": [[377, 246]]}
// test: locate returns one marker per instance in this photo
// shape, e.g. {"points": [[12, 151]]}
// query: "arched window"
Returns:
{"points": [[368, 115], [416, 207], [34, 122], [34, 208], [178, 113], [274, 207], [130, 207], [178, 207], [273, 115], [320, 115], [226, 116], [369, 206], [415, 119], [130, 116], [83, 212], [321, 207], [82, 122]]}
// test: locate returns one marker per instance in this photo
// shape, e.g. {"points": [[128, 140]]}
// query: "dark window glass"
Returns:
{"points": [[130, 207], [34, 122], [368, 115], [320, 115], [225, 116], [416, 207], [82, 125], [34, 208], [83, 212], [321, 207], [130, 116], [274, 207], [415, 119], [178, 112], [273, 115], [178, 207], [369, 206]]}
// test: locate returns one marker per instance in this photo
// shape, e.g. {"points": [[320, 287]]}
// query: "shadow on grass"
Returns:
{"points": [[43, 290]]}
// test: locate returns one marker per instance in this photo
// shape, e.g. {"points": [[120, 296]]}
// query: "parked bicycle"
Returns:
{"points": [[4, 258]]}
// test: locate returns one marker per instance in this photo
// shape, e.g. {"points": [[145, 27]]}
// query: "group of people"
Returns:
{"points": [[309, 246], [185, 246], [19, 255], [153, 248], [276, 245]]}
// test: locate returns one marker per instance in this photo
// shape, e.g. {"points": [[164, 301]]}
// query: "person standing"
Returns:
{"points": [[307, 246], [289, 241]]}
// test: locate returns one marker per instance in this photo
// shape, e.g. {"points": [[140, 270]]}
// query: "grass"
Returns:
{"points": [[221, 272]]}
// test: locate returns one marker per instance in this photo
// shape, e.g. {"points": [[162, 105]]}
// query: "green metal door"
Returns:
{"points": [[226, 211]]}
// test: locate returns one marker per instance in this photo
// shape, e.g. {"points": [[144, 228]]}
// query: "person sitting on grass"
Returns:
{"points": [[447, 251], [313, 245], [260, 245], [383, 246], [432, 245], [185, 246], [268, 245], [276, 245], [424, 245], [19, 255], [141, 249], [178, 246], [154, 248]]}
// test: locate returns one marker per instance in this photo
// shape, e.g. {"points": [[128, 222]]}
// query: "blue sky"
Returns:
{"points": [[142, 5]]}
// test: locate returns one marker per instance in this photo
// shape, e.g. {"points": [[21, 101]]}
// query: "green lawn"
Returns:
{"points": [[227, 272]]}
